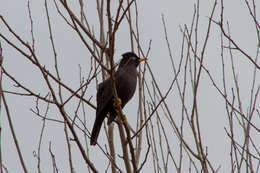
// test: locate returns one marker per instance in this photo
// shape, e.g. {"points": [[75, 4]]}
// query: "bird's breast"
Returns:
{"points": [[127, 87]]}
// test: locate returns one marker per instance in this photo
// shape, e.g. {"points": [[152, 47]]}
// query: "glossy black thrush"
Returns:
{"points": [[125, 82]]}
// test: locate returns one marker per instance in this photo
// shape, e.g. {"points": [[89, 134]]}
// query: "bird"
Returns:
{"points": [[125, 81]]}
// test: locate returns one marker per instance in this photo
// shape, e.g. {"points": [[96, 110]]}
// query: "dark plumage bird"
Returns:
{"points": [[125, 81]]}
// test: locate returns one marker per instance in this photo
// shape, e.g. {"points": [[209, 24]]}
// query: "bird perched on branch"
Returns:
{"points": [[125, 82]]}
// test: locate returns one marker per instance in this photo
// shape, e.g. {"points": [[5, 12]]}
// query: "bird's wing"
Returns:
{"points": [[99, 93], [104, 94], [104, 97]]}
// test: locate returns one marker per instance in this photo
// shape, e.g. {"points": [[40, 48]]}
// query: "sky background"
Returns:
{"points": [[72, 52]]}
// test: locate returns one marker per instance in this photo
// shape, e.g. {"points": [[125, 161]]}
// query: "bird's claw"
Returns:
{"points": [[124, 119], [117, 103]]}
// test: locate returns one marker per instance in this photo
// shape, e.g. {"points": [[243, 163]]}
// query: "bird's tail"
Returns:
{"points": [[96, 129]]}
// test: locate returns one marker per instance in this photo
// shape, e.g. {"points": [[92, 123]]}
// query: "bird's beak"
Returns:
{"points": [[142, 59]]}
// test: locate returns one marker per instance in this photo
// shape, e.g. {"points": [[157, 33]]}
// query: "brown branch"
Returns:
{"points": [[220, 24], [156, 107], [13, 134]]}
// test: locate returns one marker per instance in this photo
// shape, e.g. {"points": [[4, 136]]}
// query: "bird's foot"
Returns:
{"points": [[117, 103], [124, 120]]}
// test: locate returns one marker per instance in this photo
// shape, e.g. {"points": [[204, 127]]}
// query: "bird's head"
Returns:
{"points": [[130, 58]]}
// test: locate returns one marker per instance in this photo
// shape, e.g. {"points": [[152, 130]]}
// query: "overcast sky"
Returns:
{"points": [[72, 52]]}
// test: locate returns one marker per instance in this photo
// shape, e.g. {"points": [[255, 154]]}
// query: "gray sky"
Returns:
{"points": [[72, 52]]}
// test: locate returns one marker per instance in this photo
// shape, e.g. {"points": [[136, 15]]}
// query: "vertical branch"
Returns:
{"points": [[41, 135], [69, 148], [53, 48], [112, 146], [195, 106], [53, 160], [1, 92], [13, 134], [110, 53], [31, 25], [131, 27], [233, 151], [140, 77], [184, 109]]}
